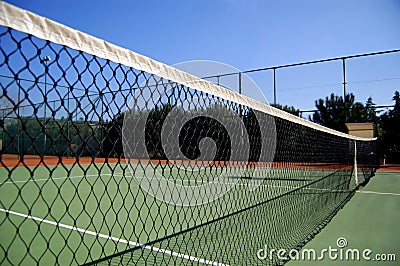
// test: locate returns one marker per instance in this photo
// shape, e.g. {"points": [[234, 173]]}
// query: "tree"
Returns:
{"points": [[289, 109], [334, 112], [6, 111], [390, 124], [370, 111], [112, 143]]}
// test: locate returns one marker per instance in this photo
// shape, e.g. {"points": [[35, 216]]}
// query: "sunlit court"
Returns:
{"points": [[109, 157]]}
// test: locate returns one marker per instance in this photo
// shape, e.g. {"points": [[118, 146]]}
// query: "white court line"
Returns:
{"points": [[182, 180], [115, 239], [100, 174], [190, 181], [60, 178], [378, 193], [45, 179], [245, 184]]}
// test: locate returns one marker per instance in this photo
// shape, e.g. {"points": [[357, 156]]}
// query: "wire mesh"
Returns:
{"points": [[71, 179]]}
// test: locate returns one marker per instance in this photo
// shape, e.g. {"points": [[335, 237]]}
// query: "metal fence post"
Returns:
{"points": [[275, 86]]}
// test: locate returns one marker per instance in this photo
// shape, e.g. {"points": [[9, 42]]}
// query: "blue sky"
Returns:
{"points": [[254, 34]]}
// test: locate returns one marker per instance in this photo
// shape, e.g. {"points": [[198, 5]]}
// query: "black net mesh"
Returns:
{"points": [[83, 155]]}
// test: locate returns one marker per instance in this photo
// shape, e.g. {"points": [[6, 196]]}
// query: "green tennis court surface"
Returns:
{"points": [[369, 221], [78, 102], [91, 211]]}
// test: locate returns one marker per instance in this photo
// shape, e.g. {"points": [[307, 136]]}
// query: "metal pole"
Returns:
{"points": [[101, 124], [45, 103], [344, 76], [68, 118], [44, 60], [18, 116], [344, 87], [240, 92], [240, 83], [3, 126], [240, 108], [275, 86], [355, 164]]}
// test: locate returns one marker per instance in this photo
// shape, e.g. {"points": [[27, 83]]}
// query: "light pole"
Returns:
{"points": [[101, 123], [68, 118], [344, 88], [19, 120], [45, 61]]}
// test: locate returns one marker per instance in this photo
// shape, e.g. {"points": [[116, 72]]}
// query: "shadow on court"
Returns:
{"points": [[370, 220]]}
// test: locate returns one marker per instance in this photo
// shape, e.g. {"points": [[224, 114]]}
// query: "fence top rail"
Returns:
{"points": [[305, 63]]}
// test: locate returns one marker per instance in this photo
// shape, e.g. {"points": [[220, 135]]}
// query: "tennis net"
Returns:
{"points": [[111, 157]]}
